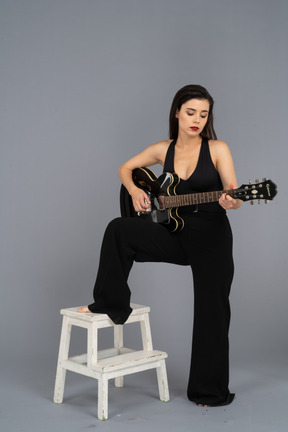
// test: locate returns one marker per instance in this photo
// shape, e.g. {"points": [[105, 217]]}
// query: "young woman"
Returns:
{"points": [[205, 243]]}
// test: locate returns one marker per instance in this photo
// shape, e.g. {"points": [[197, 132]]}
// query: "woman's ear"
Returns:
{"points": [[177, 113]]}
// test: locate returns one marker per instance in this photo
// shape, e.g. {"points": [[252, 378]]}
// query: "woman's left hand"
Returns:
{"points": [[227, 202]]}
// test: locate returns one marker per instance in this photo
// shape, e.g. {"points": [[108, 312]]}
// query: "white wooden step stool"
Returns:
{"points": [[112, 362]]}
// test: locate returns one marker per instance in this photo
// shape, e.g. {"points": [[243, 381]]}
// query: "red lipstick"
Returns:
{"points": [[194, 128]]}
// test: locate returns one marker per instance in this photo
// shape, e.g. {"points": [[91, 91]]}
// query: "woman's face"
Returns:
{"points": [[193, 116]]}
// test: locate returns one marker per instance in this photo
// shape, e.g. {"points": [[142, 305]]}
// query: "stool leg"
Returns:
{"points": [[102, 398], [118, 343], [63, 355], [92, 345], [146, 333], [163, 382]]}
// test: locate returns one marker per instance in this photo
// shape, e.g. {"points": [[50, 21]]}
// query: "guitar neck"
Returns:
{"points": [[148, 181], [194, 198]]}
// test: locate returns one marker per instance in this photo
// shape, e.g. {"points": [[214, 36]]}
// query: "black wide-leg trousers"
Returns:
{"points": [[205, 244]]}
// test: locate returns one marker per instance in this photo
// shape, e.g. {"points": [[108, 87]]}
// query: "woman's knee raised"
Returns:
{"points": [[115, 224]]}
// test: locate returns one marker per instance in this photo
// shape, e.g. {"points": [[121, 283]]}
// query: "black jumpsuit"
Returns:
{"points": [[205, 243]]}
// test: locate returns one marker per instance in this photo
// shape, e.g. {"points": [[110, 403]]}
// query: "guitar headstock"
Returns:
{"points": [[265, 190]]}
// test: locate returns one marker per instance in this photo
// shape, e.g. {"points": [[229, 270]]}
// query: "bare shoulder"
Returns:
{"points": [[160, 149], [163, 144], [218, 148], [218, 145]]}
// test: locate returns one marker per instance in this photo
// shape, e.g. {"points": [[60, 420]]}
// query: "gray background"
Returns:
{"points": [[85, 85]]}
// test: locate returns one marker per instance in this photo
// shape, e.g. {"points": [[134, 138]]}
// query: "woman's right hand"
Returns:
{"points": [[140, 199]]}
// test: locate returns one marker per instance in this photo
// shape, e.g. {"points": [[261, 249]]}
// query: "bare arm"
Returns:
{"points": [[225, 167], [150, 156]]}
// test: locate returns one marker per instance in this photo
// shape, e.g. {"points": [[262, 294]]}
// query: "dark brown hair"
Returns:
{"points": [[192, 91]]}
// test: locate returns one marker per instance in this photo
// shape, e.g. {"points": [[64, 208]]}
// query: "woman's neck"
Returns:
{"points": [[184, 141]]}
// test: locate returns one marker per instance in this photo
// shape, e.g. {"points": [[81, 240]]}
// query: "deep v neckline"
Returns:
{"points": [[197, 164]]}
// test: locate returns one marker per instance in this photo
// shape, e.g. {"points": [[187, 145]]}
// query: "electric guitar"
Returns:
{"points": [[165, 201]]}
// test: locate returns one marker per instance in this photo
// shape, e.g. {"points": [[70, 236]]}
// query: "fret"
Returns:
{"points": [[193, 199]]}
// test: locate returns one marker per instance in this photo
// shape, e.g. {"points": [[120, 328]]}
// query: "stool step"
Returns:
{"points": [[89, 317], [129, 360]]}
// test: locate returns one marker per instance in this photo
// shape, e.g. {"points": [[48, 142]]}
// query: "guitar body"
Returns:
{"points": [[154, 187], [162, 193]]}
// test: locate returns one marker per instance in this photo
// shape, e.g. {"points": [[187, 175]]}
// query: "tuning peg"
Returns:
{"points": [[259, 201], [257, 181], [266, 201], [264, 179], [251, 202]]}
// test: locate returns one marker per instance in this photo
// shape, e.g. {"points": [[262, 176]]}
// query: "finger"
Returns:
{"points": [[141, 206], [137, 206], [144, 205], [222, 203], [146, 202], [222, 199], [146, 198]]}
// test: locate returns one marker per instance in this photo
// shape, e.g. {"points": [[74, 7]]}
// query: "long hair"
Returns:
{"points": [[192, 91]]}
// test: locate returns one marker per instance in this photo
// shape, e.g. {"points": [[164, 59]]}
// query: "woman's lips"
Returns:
{"points": [[194, 128]]}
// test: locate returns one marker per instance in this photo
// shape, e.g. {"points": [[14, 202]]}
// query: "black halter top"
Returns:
{"points": [[205, 178]]}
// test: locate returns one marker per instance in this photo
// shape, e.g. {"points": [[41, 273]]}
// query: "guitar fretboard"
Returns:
{"points": [[195, 198]]}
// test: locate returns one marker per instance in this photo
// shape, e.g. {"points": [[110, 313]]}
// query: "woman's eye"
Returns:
{"points": [[191, 114]]}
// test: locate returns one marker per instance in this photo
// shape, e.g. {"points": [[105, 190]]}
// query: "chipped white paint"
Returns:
{"points": [[111, 363]]}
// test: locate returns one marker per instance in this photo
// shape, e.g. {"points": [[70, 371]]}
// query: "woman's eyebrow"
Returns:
{"points": [[193, 109]]}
